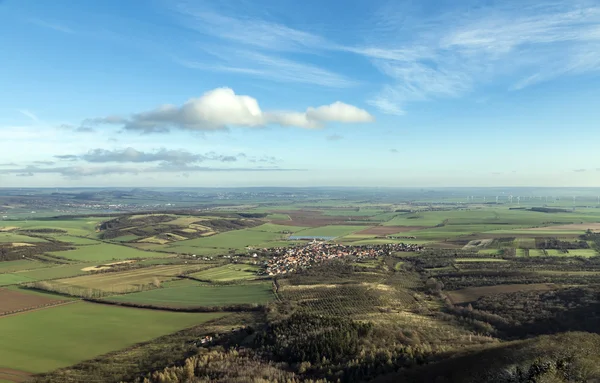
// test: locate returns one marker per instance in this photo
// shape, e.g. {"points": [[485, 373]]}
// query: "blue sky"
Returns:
{"points": [[289, 93]]}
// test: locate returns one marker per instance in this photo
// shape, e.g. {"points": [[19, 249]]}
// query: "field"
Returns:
{"points": [[195, 295], [13, 301], [238, 239], [12, 279], [73, 226], [79, 331], [18, 238], [20, 265], [106, 252], [227, 273], [329, 231], [129, 280]]}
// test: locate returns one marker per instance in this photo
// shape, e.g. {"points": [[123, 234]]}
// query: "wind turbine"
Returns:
{"points": [[497, 199], [510, 198], [518, 200]]}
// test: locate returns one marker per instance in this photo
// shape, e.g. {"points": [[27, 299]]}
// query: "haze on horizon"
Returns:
{"points": [[286, 93]]}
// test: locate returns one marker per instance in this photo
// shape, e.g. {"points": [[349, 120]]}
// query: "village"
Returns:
{"points": [[289, 259]]}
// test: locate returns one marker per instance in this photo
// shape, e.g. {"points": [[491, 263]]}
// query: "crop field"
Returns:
{"points": [[237, 239], [479, 260], [20, 265], [354, 213], [228, 272], [196, 295], [388, 230], [330, 231], [12, 279], [18, 238], [74, 226], [122, 281], [558, 253], [13, 301], [54, 272], [274, 228], [106, 252], [471, 294], [75, 240], [79, 331]]}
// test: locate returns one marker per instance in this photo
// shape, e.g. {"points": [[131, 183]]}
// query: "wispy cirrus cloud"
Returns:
{"points": [[51, 25], [423, 55], [451, 54], [29, 114]]}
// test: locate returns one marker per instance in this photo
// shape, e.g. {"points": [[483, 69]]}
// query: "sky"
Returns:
{"points": [[299, 93]]}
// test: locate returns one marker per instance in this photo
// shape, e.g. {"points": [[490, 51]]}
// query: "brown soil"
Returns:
{"points": [[11, 301], [315, 218], [14, 375], [387, 230], [471, 294]]}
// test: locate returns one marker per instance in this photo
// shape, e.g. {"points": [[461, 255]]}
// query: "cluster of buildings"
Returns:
{"points": [[288, 259]]}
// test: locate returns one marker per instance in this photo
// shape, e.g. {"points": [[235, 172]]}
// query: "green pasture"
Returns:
{"points": [[462, 260], [278, 217], [19, 265], [353, 212], [330, 231], [228, 272], [76, 240], [237, 239], [274, 228], [74, 226], [14, 237], [106, 252], [59, 271], [498, 216], [44, 340], [201, 295], [126, 238], [12, 279]]}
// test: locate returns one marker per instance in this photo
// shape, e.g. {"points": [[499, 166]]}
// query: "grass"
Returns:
{"points": [[237, 239], [274, 228], [76, 240], [60, 271], [126, 238], [353, 213], [480, 260], [14, 237], [74, 226], [228, 272], [202, 295], [45, 340], [106, 252], [13, 279], [20, 265], [128, 280], [278, 217], [330, 231]]}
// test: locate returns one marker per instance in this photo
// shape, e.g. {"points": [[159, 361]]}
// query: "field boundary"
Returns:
{"points": [[36, 308], [195, 309]]}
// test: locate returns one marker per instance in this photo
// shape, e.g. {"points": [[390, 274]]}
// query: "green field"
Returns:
{"points": [[106, 252], [129, 280], [479, 260], [76, 240], [74, 226], [19, 238], [12, 266], [237, 239], [201, 295], [11, 279], [330, 231], [45, 340], [273, 228], [228, 272], [353, 213]]}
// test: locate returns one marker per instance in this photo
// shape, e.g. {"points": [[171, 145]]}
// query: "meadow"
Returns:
{"points": [[106, 252], [238, 239], [121, 281], [201, 295], [74, 226], [80, 331], [228, 272], [330, 231]]}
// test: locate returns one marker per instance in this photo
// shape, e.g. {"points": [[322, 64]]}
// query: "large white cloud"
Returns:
{"points": [[221, 107]]}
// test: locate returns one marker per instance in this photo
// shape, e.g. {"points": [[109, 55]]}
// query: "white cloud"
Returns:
{"points": [[338, 111], [219, 108]]}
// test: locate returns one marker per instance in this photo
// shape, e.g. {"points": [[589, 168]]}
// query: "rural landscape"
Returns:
{"points": [[290, 285]]}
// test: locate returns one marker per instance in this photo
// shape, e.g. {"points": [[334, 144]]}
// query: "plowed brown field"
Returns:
{"points": [[11, 301]]}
